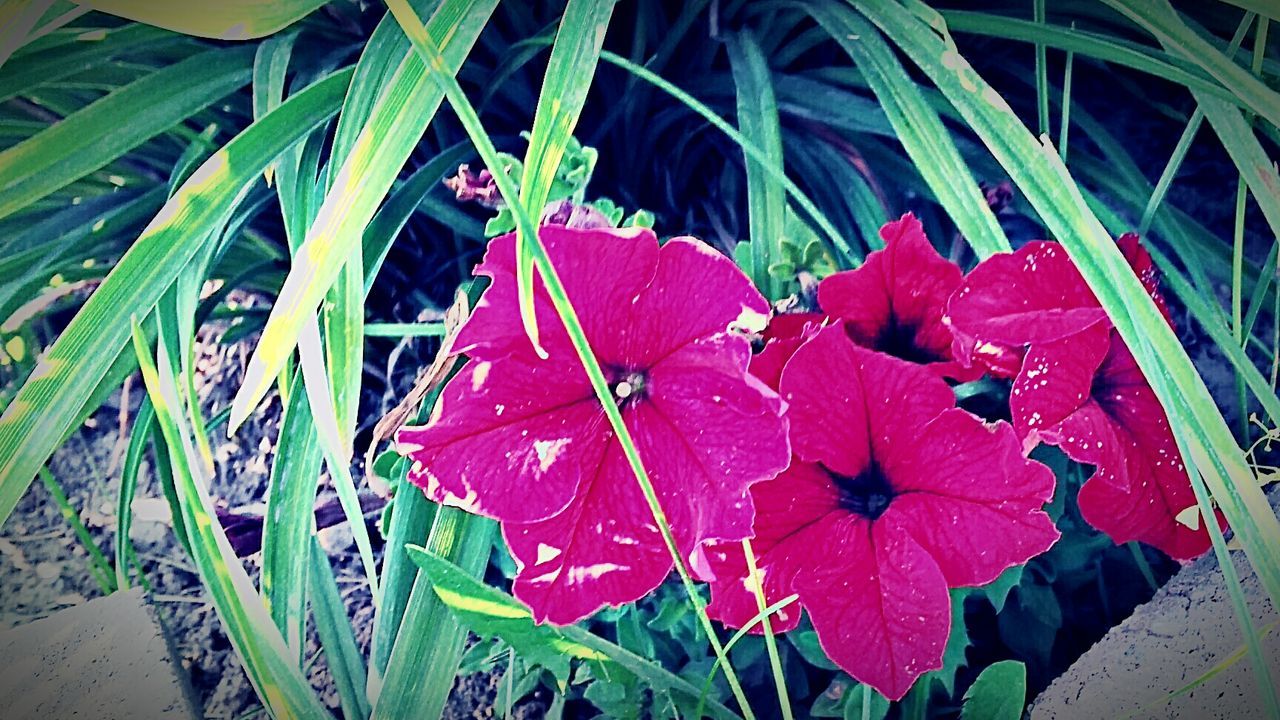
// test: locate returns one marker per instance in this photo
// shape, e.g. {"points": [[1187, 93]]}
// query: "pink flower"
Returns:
{"points": [[1080, 389], [894, 302], [524, 440], [893, 496]]}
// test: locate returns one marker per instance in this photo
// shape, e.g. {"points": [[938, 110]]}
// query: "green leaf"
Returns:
{"points": [[89, 51], [428, 647], [861, 702], [490, 612], [17, 19], [290, 519], [574, 57], [139, 439], [48, 404], [758, 122], [108, 128], [278, 682], [223, 20], [346, 663], [379, 152], [1160, 19], [999, 693], [917, 125]]}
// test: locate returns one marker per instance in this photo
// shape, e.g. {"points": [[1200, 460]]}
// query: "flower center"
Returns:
{"points": [[868, 494], [628, 387], [898, 339]]}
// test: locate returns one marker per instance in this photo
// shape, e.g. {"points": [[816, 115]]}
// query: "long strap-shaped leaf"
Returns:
{"points": [[378, 153], [48, 404], [222, 20], [491, 612], [107, 129], [1161, 20], [1050, 189], [564, 91], [278, 681], [917, 125], [758, 122]]}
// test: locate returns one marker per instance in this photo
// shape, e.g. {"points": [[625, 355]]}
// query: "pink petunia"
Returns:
{"points": [[894, 302], [1080, 389], [524, 440], [893, 496]]}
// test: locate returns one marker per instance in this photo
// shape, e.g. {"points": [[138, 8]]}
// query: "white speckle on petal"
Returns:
{"points": [[546, 553], [480, 375], [548, 451]]}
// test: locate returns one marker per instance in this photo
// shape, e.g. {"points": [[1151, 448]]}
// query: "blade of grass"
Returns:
{"points": [[105, 130], [1261, 668], [775, 664], [399, 207], [1184, 142], [90, 52], [836, 241], [50, 401], [918, 126], [99, 568], [759, 124], [337, 458], [290, 519], [1160, 19], [397, 122], [1064, 123], [1094, 45], [428, 646], [1048, 186], [422, 42], [336, 636], [224, 20], [279, 684], [1042, 73], [503, 615], [139, 439], [742, 632], [574, 56]]}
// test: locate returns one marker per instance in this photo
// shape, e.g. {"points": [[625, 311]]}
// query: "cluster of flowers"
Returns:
{"points": [[838, 449]]}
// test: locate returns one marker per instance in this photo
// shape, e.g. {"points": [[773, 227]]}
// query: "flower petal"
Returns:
{"points": [[802, 505], [604, 548], [706, 436], [894, 302], [603, 270], [785, 334], [1012, 299], [1140, 484], [1056, 377], [510, 440], [697, 293], [964, 484], [880, 608], [848, 400]]}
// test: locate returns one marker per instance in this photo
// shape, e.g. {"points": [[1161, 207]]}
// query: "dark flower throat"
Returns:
{"points": [[898, 339], [867, 494]]}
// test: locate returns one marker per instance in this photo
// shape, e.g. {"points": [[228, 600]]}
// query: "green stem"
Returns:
{"points": [[466, 113], [98, 565], [1042, 74], [771, 644]]}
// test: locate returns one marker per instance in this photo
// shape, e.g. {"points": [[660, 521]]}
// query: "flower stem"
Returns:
{"points": [[466, 113], [757, 586]]}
